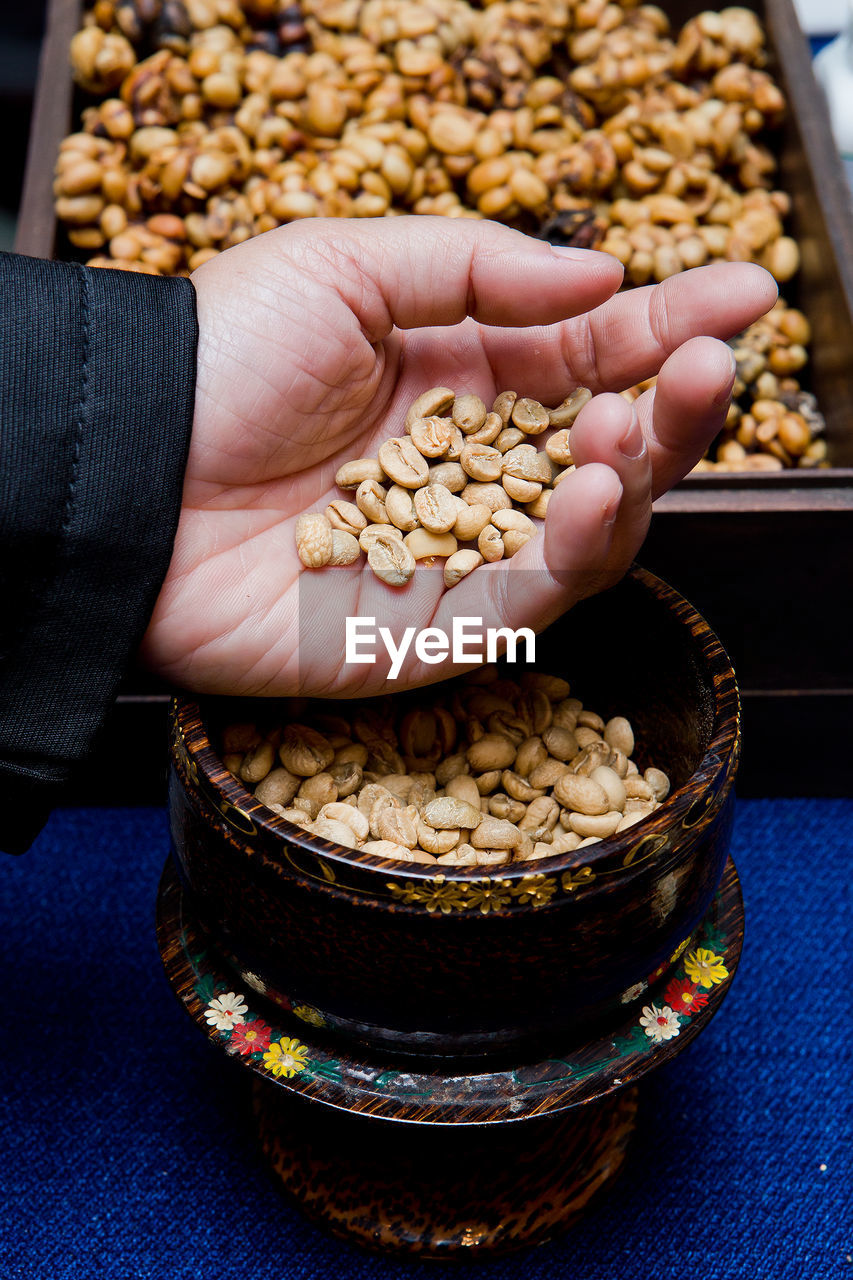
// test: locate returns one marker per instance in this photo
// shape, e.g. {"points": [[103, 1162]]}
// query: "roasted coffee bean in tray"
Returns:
{"points": [[207, 122]]}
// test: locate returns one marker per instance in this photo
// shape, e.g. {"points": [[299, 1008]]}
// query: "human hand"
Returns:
{"points": [[314, 338]]}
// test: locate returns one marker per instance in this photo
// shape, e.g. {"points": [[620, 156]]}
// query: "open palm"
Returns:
{"points": [[314, 339]]}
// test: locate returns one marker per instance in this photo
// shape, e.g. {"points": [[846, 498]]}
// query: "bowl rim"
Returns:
{"points": [[692, 805]]}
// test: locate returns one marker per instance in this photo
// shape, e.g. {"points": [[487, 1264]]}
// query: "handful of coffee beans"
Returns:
{"points": [[462, 474]]}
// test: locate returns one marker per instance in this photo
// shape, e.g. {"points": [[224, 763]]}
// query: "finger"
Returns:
{"points": [[410, 272], [579, 530], [633, 334], [686, 409], [628, 338], [607, 431], [551, 573]]}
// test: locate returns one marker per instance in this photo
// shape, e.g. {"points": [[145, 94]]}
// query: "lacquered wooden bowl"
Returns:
{"points": [[528, 960]]}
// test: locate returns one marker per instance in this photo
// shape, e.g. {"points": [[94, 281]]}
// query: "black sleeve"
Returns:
{"points": [[97, 382]]}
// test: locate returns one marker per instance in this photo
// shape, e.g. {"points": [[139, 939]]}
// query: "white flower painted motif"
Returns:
{"points": [[225, 1012], [659, 1024]]}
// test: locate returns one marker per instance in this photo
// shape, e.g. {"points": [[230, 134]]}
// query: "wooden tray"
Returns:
{"points": [[768, 557]]}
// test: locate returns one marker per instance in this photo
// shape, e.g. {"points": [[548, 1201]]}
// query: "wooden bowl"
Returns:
{"points": [[533, 958]]}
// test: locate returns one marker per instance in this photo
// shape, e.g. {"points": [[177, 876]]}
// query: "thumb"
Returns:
{"points": [[409, 272]]}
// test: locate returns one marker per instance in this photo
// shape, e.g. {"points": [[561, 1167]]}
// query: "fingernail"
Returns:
{"points": [[633, 443], [575, 255], [724, 395], [610, 511]]}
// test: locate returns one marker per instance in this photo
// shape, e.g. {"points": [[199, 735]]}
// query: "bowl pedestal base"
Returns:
{"points": [[448, 1190], [399, 1156]]}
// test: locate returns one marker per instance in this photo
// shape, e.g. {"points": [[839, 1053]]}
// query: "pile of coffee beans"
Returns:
{"points": [[492, 771]]}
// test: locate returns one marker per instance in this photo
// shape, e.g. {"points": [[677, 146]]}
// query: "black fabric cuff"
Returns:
{"points": [[97, 384]]}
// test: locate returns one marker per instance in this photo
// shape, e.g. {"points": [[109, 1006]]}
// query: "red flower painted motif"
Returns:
{"points": [[684, 997], [250, 1037]]}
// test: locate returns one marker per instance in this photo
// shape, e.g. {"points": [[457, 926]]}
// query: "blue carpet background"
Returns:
{"points": [[123, 1147]]}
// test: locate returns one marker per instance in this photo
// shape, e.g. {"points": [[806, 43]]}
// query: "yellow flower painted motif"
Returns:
{"points": [[705, 968], [488, 895], [572, 880], [537, 890], [485, 895], [310, 1015], [433, 894], [286, 1058]]}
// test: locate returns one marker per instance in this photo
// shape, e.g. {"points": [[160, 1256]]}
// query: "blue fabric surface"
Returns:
{"points": [[124, 1152]]}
